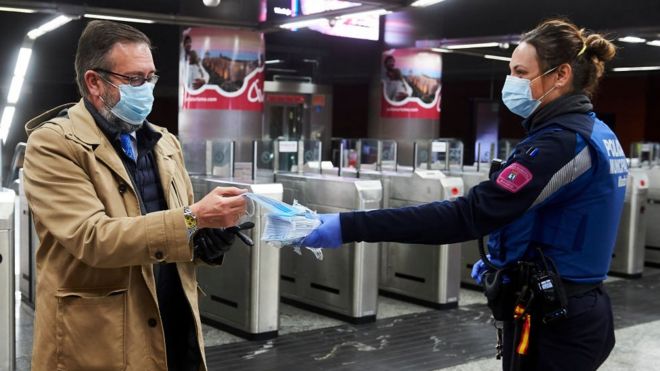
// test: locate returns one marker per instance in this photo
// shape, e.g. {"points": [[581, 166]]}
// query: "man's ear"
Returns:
{"points": [[93, 82]]}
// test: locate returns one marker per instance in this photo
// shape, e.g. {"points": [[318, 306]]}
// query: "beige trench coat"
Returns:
{"points": [[96, 306]]}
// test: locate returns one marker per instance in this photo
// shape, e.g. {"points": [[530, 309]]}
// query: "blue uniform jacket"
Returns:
{"points": [[562, 189]]}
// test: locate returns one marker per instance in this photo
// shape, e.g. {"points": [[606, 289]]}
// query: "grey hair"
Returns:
{"points": [[95, 43]]}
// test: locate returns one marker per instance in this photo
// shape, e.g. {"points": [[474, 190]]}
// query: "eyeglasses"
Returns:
{"points": [[135, 80]]}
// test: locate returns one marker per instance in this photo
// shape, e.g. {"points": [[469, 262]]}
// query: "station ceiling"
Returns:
{"points": [[448, 21]]}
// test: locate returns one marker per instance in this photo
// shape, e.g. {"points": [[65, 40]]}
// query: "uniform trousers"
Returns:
{"points": [[580, 342]]}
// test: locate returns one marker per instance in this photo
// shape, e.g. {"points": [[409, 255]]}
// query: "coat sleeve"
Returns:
{"points": [[489, 205], [70, 210]]}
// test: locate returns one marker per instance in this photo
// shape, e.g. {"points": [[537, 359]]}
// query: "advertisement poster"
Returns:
{"points": [[221, 69], [411, 84]]}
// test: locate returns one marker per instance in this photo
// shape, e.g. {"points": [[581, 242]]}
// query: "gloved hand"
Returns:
{"points": [[210, 244], [327, 235], [478, 270]]}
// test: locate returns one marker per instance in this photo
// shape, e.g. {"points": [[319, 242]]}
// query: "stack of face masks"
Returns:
{"points": [[287, 225]]}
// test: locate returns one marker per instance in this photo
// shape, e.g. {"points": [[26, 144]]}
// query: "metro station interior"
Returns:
{"points": [[293, 102]]}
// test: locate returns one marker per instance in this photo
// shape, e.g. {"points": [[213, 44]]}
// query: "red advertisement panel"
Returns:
{"points": [[221, 69], [411, 84]]}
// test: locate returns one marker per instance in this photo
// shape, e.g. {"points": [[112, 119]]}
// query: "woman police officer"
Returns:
{"points": [[560, 192]]}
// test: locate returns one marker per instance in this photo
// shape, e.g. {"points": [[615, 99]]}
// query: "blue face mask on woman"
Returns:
{"points": [[134, 103], [517, 95]]}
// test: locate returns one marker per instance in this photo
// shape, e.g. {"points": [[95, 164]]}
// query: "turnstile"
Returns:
{"points": [[7, 282], [628, 256], [242, 295], [652, 254], [470, 249], [28, 241], [426, 274], [345, 283]]}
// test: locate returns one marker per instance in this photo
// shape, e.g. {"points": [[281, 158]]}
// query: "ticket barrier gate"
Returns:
{"points": [[628, 256], [652, 254], [447, 154], [424, 274], [242, 296], [645, 156], [653, 218], [28, 241], [345, 284], [7, 282]]}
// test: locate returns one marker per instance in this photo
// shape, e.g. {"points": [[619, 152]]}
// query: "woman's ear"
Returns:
{"points": [[564, 75]]}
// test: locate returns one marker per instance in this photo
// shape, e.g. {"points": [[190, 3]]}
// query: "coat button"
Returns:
{"points": [[158, 255], [152, 322], [122, 188]]}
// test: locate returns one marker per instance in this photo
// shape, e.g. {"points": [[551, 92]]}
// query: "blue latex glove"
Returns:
{"points": [[327, 235], [478, 270]]}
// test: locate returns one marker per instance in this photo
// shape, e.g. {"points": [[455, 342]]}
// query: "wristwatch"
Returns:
{"points": [[191, 221]]}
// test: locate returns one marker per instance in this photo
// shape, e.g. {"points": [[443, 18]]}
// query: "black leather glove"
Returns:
{"points": [[210, 244]]}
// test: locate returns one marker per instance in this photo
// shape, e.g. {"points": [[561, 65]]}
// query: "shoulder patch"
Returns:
{"points": [[514, 177]]}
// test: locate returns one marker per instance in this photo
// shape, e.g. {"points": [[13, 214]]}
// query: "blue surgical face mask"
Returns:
{"points": [[274, 206], [134, 103], [517, 95]]}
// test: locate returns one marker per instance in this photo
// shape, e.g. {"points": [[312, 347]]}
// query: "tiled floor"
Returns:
{"points": [[408, 336]]}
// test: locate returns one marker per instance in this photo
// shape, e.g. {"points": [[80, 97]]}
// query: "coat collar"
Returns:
{"points": [[86, 130], [83, 129]]}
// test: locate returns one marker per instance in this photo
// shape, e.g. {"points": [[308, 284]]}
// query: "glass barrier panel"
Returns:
{"points": [[505, 147], [388, 155], [287, 151], [484, 152], [312, 155], [348, 158], [194, 154], [221, 157], [445, 153], [368, 158]]}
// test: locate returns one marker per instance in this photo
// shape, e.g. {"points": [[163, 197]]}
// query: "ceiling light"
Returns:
{"points": [[274, 61], [120, 19], [423, 3], [16, 10], [442, 50], [303, 24], [22, 61], [5, 122], [497, 57], [628, 69], [632, 39], [375, 13], [15, 89], [475, 45], [211, 3], [49, 26], [654, 43]]}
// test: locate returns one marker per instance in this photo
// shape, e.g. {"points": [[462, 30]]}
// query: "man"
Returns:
{"points": [[396, 87], [116, 285]]}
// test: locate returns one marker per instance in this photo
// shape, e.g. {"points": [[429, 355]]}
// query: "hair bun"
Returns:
{"points": [[599, 47]]}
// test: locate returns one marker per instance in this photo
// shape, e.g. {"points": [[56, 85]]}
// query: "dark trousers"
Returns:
{"points": [[580, 342]]}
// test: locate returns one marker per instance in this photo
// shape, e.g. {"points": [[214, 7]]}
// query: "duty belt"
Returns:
{"points": [[576, 289]]}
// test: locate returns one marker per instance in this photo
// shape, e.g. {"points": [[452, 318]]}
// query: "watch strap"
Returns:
{"points": [[191, 221]]}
